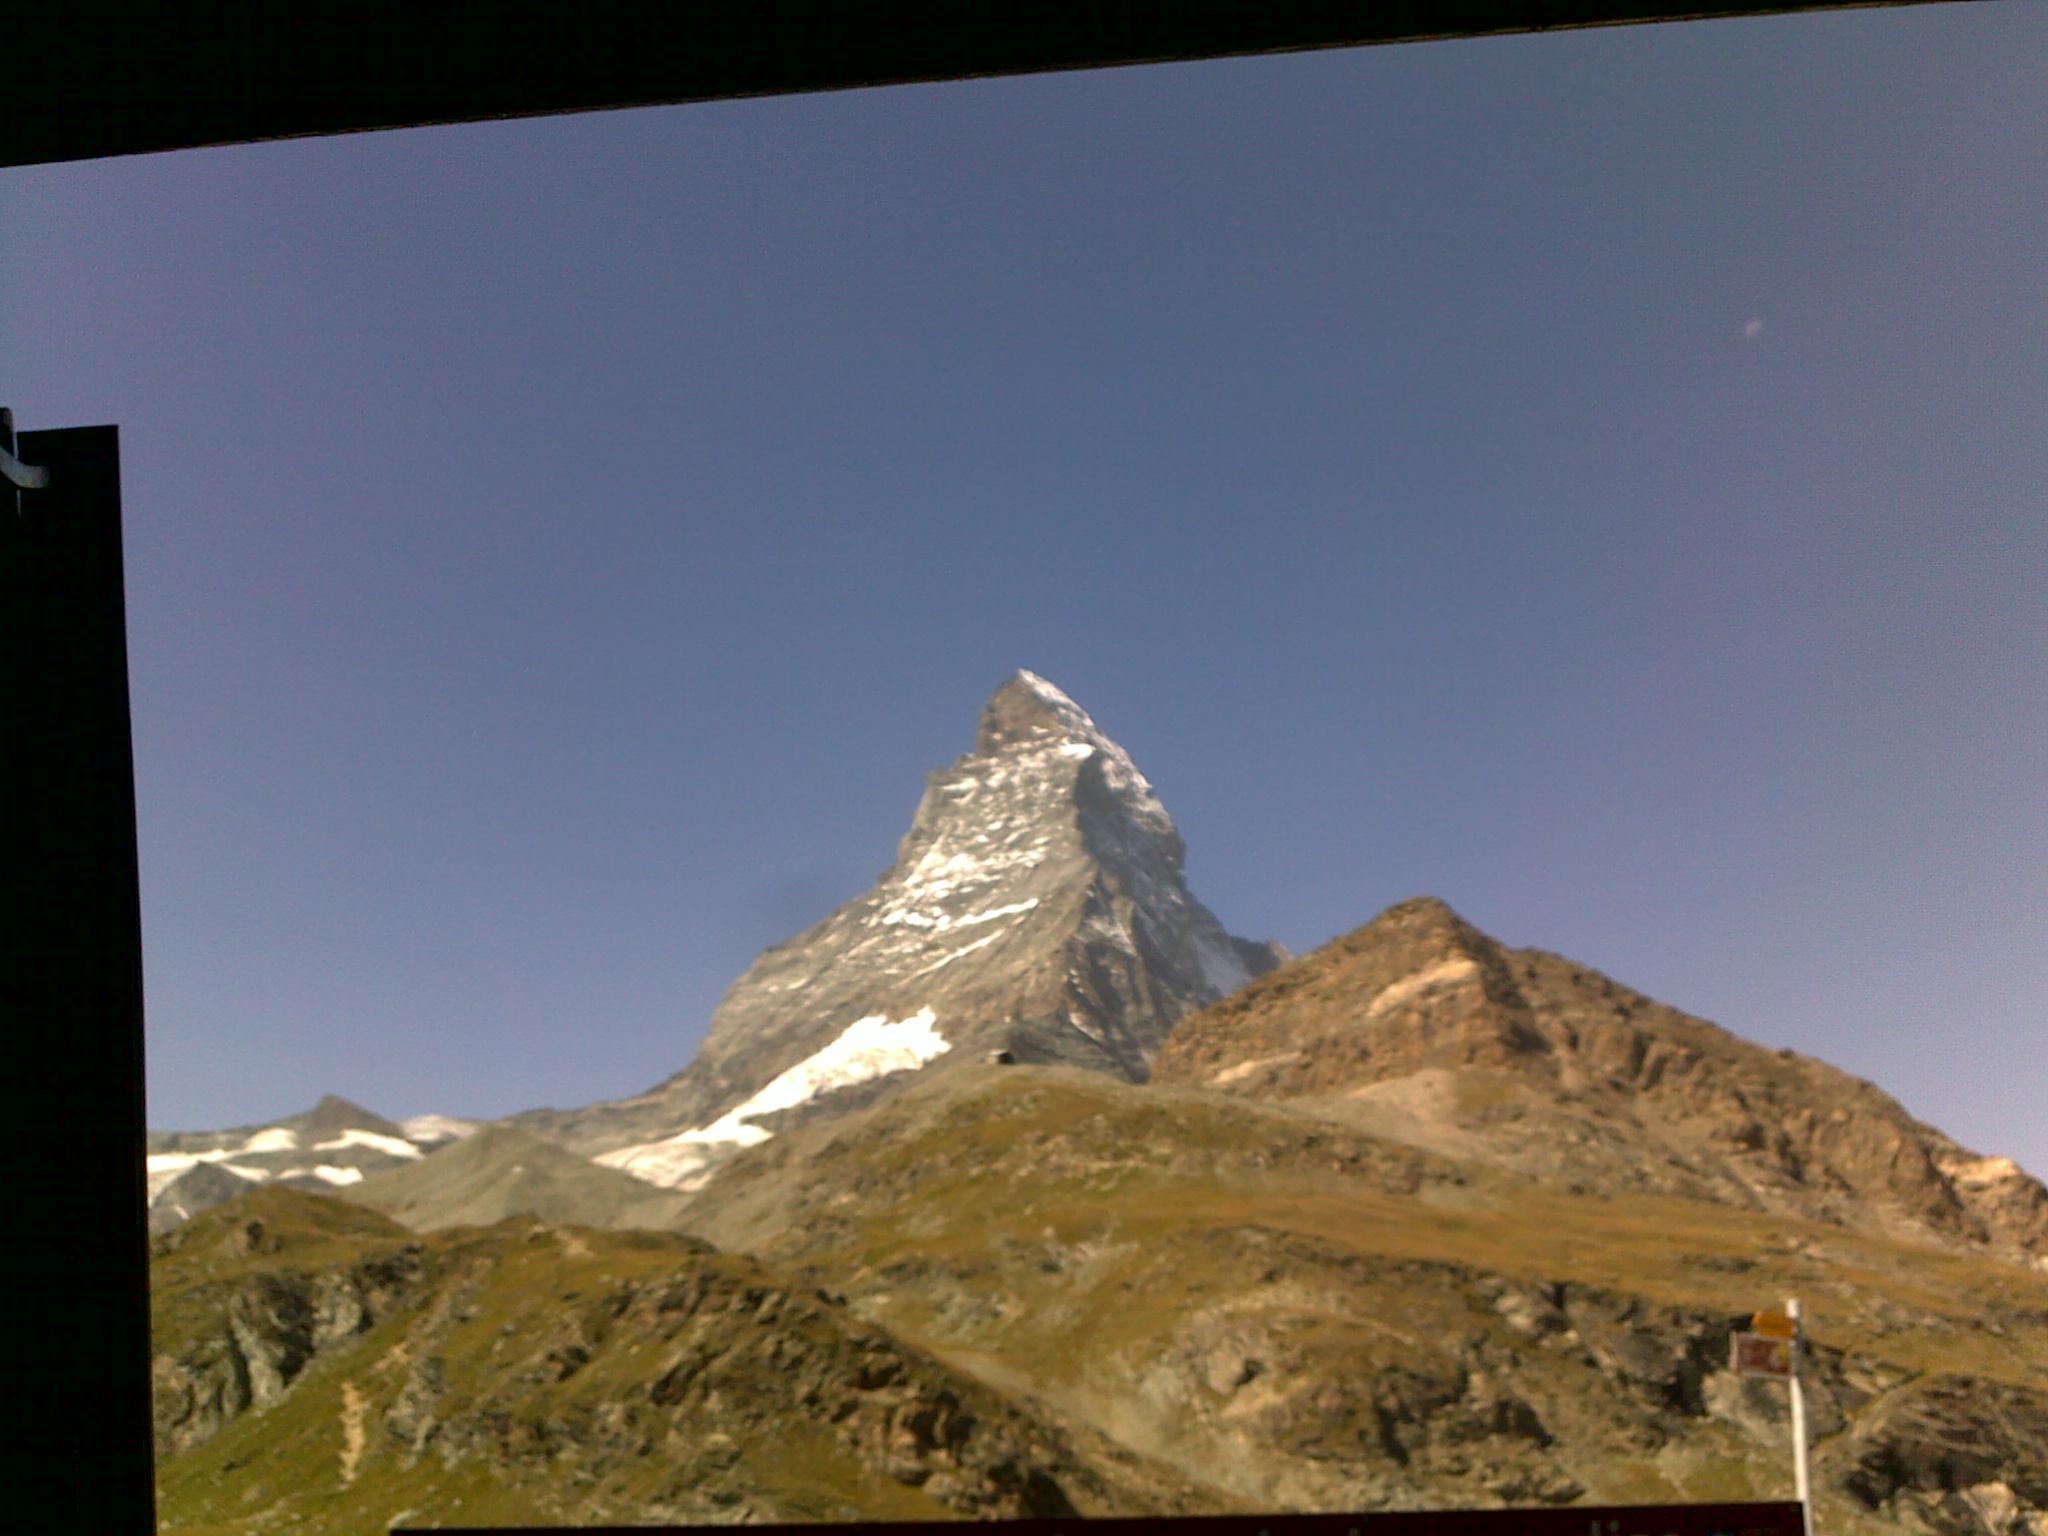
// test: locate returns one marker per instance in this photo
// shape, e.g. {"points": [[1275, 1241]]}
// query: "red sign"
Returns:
{"points": [[1756, 1354]]}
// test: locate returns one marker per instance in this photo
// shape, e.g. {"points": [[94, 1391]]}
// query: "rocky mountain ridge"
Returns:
{"points": [[1419, 1027]]}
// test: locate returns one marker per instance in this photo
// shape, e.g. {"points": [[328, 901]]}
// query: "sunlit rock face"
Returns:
{"points": [[1421, 1028], [1037, 906]]}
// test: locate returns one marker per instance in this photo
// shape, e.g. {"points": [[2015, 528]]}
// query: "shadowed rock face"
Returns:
{"points": [[1421, 1027], [1037, 905]]}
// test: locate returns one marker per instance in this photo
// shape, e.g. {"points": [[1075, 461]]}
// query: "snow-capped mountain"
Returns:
{"points": [[1037, 906], [329, 1147]]}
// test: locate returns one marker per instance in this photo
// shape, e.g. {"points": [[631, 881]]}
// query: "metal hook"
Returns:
{"points": [[23, 477]]}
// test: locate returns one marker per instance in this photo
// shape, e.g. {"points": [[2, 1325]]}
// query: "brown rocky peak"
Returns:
{"points": [[1416, 983], [1421, 1028], [1415, 947], [1422, 927]]}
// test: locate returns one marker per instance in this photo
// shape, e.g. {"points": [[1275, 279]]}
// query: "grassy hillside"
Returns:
{"points": [[1016, 1290], [1319, 1319], [320, 1370]]}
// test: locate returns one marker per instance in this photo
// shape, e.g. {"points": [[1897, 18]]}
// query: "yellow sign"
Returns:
{"points": [[1773, 1325]]}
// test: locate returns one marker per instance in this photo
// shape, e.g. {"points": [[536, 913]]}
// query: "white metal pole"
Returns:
{"points": [[1799, 1417]]}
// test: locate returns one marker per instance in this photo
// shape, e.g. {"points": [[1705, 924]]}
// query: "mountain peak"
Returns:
{"points": [[1071, 760], [334, 1113], [334, 1105], [1028, 708], [1421, 1028], [1425, 908], [1037, 907]]}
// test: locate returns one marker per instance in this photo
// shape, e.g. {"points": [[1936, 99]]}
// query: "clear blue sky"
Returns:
{"points": [[1599, 479]]}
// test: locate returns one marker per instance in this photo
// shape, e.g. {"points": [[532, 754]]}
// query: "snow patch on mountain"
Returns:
{"points": [[965, 949], [994, 913], [868, 1048], [939, 922], [326, 1173], [178, 1162], [334, 1175], [430, 1129], [390, 1145]]}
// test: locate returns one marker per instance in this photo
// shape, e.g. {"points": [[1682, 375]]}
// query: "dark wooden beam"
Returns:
{"points": [[1552, 1520], [85, 79], [71, 996]]}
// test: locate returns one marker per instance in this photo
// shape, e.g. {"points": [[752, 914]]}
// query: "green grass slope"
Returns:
{"points": [[319, 1369], [1318, 1319]]}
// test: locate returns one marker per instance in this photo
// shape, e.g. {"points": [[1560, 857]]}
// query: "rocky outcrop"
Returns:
{"points": [[1037, 906], [1954, 1452], [749, 1353], [581, 1377], [263, 1330]]}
